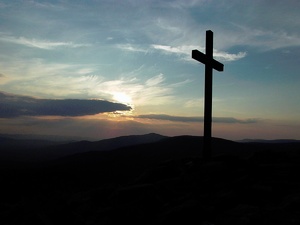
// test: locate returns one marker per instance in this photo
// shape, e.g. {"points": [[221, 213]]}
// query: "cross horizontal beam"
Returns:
{"points": [[200, 57]]}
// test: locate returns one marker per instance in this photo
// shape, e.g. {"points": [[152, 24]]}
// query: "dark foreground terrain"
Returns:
{"points": [[164, 181]]}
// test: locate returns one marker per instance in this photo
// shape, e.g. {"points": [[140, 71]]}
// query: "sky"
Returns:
{"points": [[98, 69]]}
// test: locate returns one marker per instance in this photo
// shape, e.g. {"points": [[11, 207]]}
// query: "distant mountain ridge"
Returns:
{"points": [[54, 138], [123, 141], [149, 144], [275, 141], [23, 150]]}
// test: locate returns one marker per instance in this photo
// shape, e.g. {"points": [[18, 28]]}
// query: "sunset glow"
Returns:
{"points": [[122, 98], [126, 67]]}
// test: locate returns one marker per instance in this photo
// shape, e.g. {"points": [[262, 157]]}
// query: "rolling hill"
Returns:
{"points": [[152, 179], [36, 149]]}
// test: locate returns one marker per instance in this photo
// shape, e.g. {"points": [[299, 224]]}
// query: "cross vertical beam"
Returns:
{"points": [[208, 96], [210, 64]]}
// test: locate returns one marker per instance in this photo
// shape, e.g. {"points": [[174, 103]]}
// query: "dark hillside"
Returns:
{"points": [[163, 182], [21, 149], [37, 150]]}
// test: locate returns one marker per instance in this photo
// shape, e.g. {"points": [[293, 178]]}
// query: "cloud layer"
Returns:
{"points": [[195, 119], [15, 105], [42, 44]]}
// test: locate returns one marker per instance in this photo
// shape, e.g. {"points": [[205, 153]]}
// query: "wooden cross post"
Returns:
{"points": [[210, 64]]}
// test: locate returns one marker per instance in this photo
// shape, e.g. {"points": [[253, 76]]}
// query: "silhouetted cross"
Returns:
{"points": [[210, 64]]}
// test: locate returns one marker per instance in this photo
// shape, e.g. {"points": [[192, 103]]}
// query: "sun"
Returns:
{"points": [[122, 98]]}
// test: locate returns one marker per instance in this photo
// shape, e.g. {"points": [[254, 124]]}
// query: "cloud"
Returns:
{"points": [[170, 118], [44, 5], [263, 39], [16, 105], [224, 56], [155, 80], [131, 48], [194, 102], [151, 91], [101, 127], [178, 50], [233, 120], [37, 77], [186, 4], [3, 78], [195, 119], [3, 5], [155, 90], [94, 127], [185, 50], [41, 44]]}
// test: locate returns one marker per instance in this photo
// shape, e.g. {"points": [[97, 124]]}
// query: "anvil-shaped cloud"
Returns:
{"points": [[16, 105]]}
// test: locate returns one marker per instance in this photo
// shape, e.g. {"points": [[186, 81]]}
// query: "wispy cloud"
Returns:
{"points": [[44, 5], [186, 4], [155, 90], [234, 120], [275, 40], [195, 119], [131, 48], [155, 80], [16, 105], [2, 5], [263, 38], [42, 44], [194, 102], [186, 50], [36, 77], [183, 51], [224, 56], [3, 78], [152, 91]]}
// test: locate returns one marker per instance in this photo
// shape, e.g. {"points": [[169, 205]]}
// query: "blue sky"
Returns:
{"points": [[129, 63]]}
